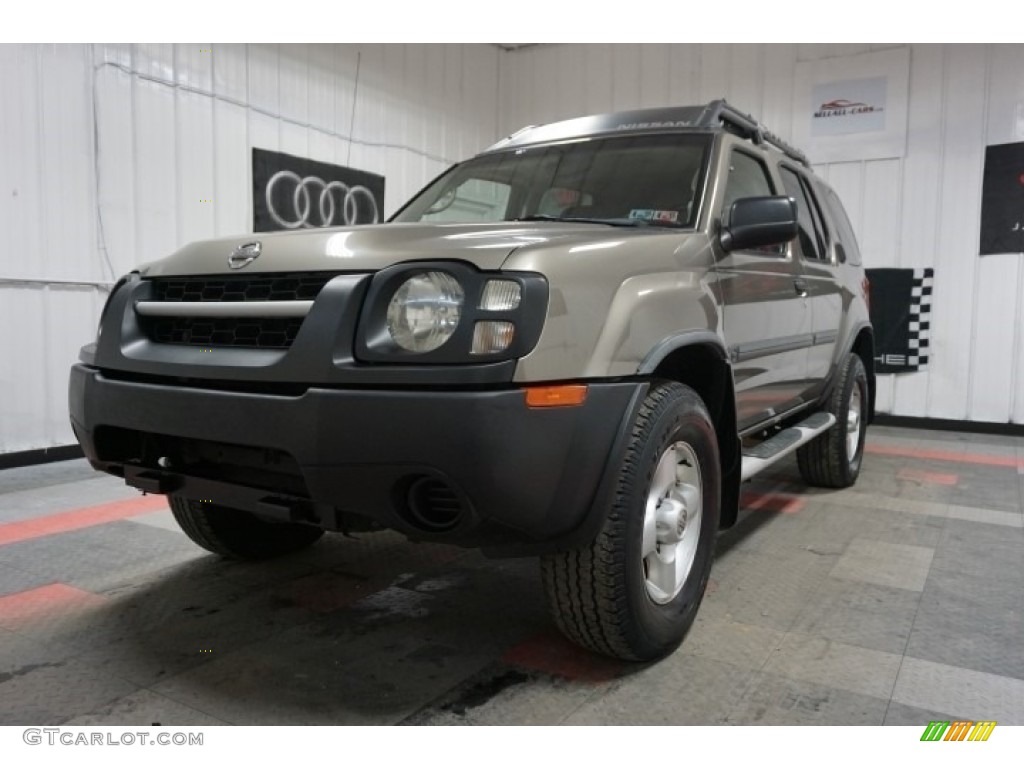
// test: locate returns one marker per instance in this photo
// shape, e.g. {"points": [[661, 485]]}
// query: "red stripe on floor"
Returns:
{"points": [[45, 603], [960, 458], [61, 522], [932, 478], [551, 653], [772, 502]]}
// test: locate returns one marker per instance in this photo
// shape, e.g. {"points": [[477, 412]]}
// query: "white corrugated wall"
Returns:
{"points": [[174, 126], [922, 210]]}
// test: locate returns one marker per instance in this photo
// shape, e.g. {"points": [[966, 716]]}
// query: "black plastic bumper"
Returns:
{"points": [[525, 479]]}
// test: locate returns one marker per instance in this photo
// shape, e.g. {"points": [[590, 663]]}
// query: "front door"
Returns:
{"points": [[767, 316]]}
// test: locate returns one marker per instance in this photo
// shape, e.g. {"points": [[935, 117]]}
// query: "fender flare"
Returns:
{"points": [[670, 344]]}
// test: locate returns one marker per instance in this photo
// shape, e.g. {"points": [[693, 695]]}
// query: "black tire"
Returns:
{"points": [[826, 461], [236, 534], [598, 595]]}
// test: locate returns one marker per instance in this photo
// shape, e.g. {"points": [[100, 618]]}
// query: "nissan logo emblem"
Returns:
{"points": [[245, 254]]}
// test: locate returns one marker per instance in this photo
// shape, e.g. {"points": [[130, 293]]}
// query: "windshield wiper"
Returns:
{"points": [[608, 222]]}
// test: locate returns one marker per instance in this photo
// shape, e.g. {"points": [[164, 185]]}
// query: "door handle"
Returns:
{"points": [[801, 288]]}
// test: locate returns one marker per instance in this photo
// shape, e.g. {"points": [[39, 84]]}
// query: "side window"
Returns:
{"points": [[748, 177], [473, 200], [819, 220], [812, 243]]}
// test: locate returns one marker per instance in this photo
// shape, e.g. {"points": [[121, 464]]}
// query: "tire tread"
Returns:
{"points": [[237, 535], [586, 588], [822, 462]]}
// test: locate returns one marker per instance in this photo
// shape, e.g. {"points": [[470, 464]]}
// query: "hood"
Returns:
{"points": [[373, 247]]}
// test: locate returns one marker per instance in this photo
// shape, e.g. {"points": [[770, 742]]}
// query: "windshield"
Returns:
{"points": [[627, 181]]}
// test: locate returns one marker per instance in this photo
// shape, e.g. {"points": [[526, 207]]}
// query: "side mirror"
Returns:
{"points": [[755, 222]]}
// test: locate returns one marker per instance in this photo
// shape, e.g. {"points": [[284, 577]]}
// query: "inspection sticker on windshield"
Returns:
{"points": [[649, 214]]}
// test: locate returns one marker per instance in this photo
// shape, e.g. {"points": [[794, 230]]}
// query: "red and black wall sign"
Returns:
{"points": [[290, 192], [1002, 200], [901, 304]]}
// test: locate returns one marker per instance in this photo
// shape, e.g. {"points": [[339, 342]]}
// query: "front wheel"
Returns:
{"points": [[236, 534], [634, 592]]}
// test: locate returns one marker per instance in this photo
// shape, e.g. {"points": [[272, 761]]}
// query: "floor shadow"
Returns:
{"points": [[347, 632]]}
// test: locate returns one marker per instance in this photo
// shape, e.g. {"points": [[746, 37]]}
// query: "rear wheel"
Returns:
{"points": [[634, 592], [833, 459], [236, 534]]}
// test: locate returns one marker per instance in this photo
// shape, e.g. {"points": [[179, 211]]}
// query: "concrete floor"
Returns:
{"points": [[897, 601]]}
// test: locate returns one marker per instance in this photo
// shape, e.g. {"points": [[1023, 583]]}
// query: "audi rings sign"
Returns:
{"points": [[292, 192]]}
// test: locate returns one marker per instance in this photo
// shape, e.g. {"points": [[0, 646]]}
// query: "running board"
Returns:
{"points": [[763, 455]]}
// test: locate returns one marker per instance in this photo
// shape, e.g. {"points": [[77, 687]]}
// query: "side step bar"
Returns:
{"points": [[765, 454]]}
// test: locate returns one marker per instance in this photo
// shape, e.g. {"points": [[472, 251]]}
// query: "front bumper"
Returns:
{"points": [[524, 479]]}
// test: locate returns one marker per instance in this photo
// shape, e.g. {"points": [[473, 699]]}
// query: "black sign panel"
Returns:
{"points": [[901, 303], [290, 192], [1002, 200]]}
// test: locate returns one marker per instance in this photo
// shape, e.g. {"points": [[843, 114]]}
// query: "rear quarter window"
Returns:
{"points": [[847, 240]]}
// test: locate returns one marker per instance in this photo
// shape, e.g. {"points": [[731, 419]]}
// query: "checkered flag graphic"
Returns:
{"points": [[920, 317], [901, 307]]}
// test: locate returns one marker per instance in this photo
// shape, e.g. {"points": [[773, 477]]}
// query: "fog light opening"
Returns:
{"points": [[432, 506]]}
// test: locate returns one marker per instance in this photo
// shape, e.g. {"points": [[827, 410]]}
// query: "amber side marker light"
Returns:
{"points": [[557, 396]]}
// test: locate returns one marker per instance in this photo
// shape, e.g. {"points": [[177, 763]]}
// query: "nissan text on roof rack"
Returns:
{"points": [[576, 345]]}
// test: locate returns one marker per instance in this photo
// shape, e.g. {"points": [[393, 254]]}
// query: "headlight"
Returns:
{"points": [[425, 311], [448, 312]]}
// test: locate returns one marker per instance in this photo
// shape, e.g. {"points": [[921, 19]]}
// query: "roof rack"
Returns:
{"points": [[720, 112]]}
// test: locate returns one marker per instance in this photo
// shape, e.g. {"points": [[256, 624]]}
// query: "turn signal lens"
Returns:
{"points": [[492, 336], [555, 397], [501, 295]]}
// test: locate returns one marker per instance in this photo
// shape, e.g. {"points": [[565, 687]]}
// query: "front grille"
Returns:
{"points": [[259, 332], [281, 287], [253, 332]]}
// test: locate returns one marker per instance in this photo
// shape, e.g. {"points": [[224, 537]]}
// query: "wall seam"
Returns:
{"points": [[101, 235], [976, 266], [937, 224], [213, 142], [249, 202], [1017, 391], [177, 150], [44, 248], [133, 109], [898, 232], [497, 94]]}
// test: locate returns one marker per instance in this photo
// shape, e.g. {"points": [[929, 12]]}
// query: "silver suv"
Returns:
{"points": [[576, 345]]}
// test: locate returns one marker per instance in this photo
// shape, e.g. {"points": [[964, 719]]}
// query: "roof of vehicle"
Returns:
{"points": [[715, 116]]}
